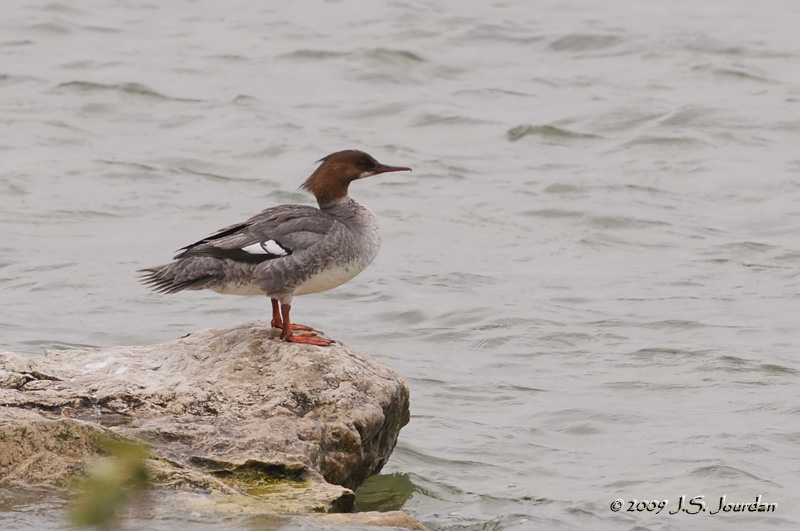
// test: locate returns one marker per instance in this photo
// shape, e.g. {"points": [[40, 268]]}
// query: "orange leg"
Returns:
{"points": [[277, 319], [280, 319], [277, 322]]}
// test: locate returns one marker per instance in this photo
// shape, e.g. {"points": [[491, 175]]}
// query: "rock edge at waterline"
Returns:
{"points": [[233, 415]]}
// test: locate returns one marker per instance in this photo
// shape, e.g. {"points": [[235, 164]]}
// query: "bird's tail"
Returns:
{"points": [[172, 278]]}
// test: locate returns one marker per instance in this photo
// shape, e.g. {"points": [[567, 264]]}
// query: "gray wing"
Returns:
{"points": [[273, 234]]}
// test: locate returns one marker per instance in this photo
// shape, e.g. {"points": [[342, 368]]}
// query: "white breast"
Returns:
{"points": [[233, 288], [329, 278]]}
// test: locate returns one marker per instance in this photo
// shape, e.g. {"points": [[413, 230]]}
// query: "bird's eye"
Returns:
{"points": [[363, 163]]}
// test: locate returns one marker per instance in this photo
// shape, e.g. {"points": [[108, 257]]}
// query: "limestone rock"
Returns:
{"points": [[232, 412], [395, 519]]}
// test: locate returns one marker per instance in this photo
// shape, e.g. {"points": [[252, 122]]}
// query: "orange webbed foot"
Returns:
{"points": [[295, 327], [310, 339], [307, 335]]}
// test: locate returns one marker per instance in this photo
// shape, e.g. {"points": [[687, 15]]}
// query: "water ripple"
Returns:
{"points": [[548, 133]]}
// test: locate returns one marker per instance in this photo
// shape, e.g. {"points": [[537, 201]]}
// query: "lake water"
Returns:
{"points": [[589, 282]]}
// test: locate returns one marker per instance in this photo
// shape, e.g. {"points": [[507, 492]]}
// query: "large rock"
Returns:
{"points": [[234, 412]]}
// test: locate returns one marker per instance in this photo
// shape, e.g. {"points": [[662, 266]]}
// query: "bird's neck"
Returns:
{"points": [[347, 210]]}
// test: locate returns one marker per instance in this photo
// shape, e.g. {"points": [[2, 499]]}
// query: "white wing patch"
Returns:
{"points": [[255, 248], [268, 247], [274, 247]]}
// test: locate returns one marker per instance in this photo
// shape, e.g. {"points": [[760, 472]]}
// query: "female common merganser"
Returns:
{"points": [[286, 250]]}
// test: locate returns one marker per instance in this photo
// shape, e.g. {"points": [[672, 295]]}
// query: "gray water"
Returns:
{"points": [[589, 281]]}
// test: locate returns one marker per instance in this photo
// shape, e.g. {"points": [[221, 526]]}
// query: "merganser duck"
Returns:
{"points": [[286, 250]]}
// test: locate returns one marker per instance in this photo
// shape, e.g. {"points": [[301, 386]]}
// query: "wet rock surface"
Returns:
{"points": [[232, 415]]}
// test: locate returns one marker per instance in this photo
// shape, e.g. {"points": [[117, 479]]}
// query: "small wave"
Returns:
{"points": [[614, 240], [673, 324], [408, 317], [553, 213], [667, 352], [8, 80], [442, 119], [385, 109], [745, 248], [21, 42], [771, 368], [691, 116], [246, 100], [707, 44], [83, 214], [55, 7], [678, 142], [130, 88], [212, 176], [564, 188], [581, 42], [624, 119], [133, 165], [734, 74], [312, 55], [584, 428], [546, 132], [722, 472], [53, 28], [488, 343], [8, 189], [101, 29], [622, 222], [648, 386], [565, 339], [491, 93], [90, 65], [508, 32], [136, 89], [48, 345], [387, 55]]}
